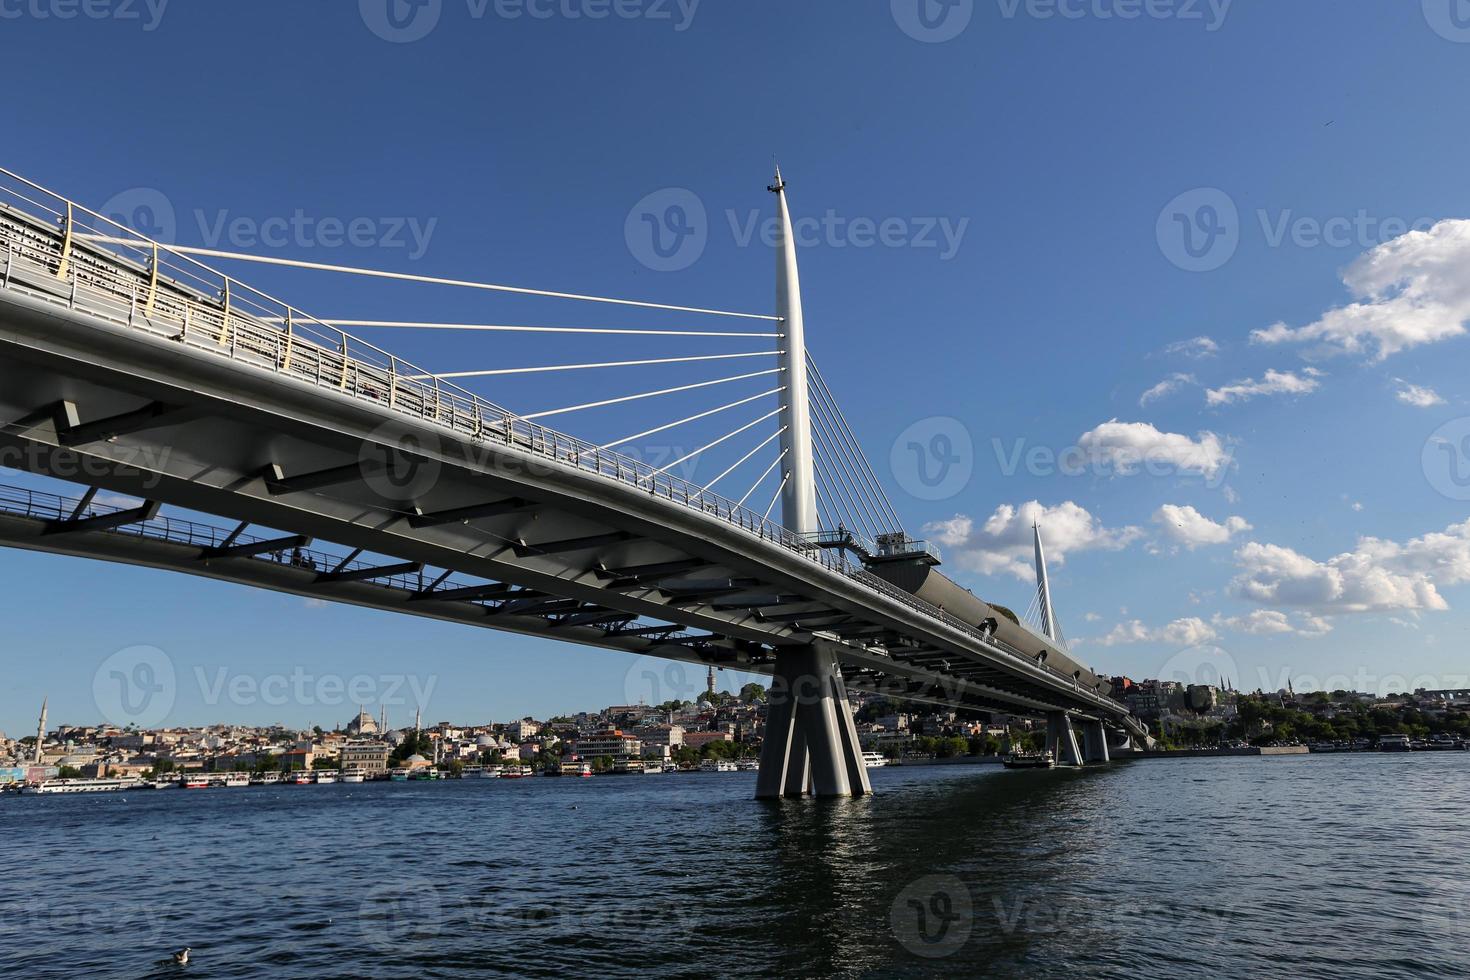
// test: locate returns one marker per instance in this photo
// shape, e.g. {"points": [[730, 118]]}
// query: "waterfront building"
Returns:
{"points": [[366, 756], [664, 736], [612, 743]]}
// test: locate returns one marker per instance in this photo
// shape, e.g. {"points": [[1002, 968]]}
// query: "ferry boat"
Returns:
{"points": [[486, 772], [1442, 742], [718, 765], [300, 779], [1017, 760], [576, 769], [196, 782], [163, 783], [236, 780], [398, 776], [265, 779], [653, 768], [326, 776], [354, 777], [1394, 743], [874, 760], [47, 786], [427, 772]]}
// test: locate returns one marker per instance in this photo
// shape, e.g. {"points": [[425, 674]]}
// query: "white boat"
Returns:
{"points": [[718, 765], [353, 777], [576, 769], [1018, 760], [265, 779], [235, 780], [874, 760], [48, 786], [653, 768], [196, 782], [749, 765], [300, 779], [324, 776], [1394, 743], [164, 783]]}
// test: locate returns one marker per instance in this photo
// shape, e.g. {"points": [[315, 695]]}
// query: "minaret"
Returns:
{"points": [[799, 493], [383, 723], [40, 733], [711, 681], [1043, 590]]}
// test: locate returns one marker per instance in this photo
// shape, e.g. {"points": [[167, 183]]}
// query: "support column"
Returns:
{"points": [[1061, 739], [810, 741], [1095, 742]]}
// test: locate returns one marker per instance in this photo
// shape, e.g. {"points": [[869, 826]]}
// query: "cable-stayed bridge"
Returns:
{"points": [[260, 445]]}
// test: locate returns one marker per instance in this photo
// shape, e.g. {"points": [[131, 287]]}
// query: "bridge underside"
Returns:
{"points": [[303, 483]]}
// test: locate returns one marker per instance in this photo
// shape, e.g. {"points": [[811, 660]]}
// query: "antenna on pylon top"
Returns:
{"points": [[779, 185]]}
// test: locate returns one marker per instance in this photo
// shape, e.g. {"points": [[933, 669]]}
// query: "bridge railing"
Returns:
{"points": [[64, 251], [58, 250], [43, 505]]}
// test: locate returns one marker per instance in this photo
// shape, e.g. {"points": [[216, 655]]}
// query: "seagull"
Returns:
{"points": [[182, 956]]}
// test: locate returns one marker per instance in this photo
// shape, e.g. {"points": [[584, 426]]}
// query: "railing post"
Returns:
{"points": [[9, 258], [61, 266], [152, 284], [286, 360], [392, 381], [224, 323], [133, 305]]}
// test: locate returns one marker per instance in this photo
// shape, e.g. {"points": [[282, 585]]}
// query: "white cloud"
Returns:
{"points": [[1166, 387], [1195, 347], [1267, 622], [1378, 576], [1357, 506], [1187, 632], [1003, 543], [1410, 291], [1124, 446], [1188, 527], [1274, 383], [1416, 395]]}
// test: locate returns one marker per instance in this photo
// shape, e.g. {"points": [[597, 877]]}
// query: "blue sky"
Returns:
{"points": [[1036, 168]]}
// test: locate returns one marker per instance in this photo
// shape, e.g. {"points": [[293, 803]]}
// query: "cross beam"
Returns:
{"points": [[524, 550], [256, 547], [278, 483], [461, 515], [104, 522], [363, 574], [70, 431]]}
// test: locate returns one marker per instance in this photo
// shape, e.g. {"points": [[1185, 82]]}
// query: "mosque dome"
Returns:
{"points": [[363, 724]]}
